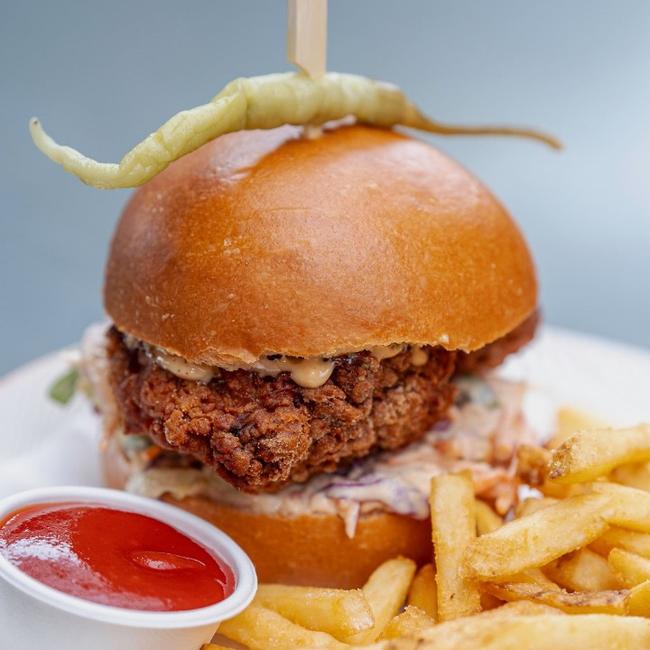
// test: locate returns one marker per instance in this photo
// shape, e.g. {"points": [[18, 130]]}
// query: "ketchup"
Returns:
{"points": [[113, 557]]}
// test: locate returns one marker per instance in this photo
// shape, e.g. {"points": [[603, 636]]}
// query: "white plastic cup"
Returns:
{"points": [[33, 615]]}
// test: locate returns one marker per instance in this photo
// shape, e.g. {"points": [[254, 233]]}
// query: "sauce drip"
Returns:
{"points": [[308, 372]]}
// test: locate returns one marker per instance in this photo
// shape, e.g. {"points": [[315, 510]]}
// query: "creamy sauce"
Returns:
{"points": [[381, 352], [308, 372], [419, 356], [312, 373], [182, 368]]}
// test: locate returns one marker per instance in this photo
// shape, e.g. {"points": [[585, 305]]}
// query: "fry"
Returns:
{"points": [[560, 491], [385, 592], [533, 504], [486, 519], [423, 593], [601, 602], [587, 455], [628, 540], [582, 570], [260, 628], [570, 420], [339, 612], [620, 602], [537, 539], [411, 621], [532, 467], [638, 600], [631, 569], [452, 533], [520, 608], [630, 507], [489, 602], [545, 632], [636, 475], [587, 555], [534, 576]]}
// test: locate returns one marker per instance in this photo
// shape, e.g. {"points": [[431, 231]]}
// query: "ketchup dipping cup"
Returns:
{"points": [[34, 615]]}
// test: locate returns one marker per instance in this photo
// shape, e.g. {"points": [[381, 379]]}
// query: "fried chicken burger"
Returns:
{"points": [[302, 332]]}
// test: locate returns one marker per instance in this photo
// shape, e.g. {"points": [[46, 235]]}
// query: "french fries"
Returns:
{"points": [[628, 540], [520, 608], [453, 493], [582, 570], [423, 593], [261, 628], [630, 569], [530, 505], [533, 466], [339, 612], [636, 475], [588, 455], [570, 420], [596, 602], [544, 632], [638, 600], [537, 539], [570, 570], [630, 507], [533, 576], [489, 602], [385, 592], [411, 621], [486, 519]]}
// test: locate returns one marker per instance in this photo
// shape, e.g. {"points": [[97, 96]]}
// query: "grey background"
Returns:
{"points": [[101, 75]]}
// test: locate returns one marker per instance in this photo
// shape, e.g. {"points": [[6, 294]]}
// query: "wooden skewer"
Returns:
{"points": [[307, 36]]}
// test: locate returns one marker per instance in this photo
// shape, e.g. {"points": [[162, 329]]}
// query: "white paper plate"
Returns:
{"points": [[43, 443]]}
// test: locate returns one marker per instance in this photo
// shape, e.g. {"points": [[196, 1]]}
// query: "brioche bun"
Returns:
{"points": [[306, 550], [265, 242]]}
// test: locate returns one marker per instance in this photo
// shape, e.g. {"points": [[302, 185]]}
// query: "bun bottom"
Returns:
{"points": [[314, 550], [311, 550]]}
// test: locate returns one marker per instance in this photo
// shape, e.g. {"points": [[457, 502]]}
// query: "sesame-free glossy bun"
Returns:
{"points": [[306, 550], [265, 242]]}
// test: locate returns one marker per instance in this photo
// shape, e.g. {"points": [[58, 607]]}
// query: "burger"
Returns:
{"points": [[303, 332]]}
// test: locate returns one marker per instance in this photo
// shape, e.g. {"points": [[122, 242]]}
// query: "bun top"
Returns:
{"points": [[264, 242]]}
